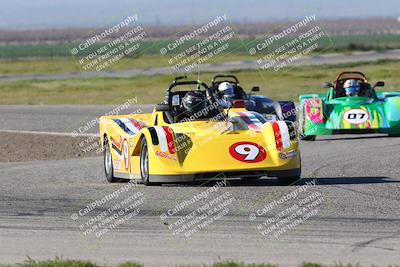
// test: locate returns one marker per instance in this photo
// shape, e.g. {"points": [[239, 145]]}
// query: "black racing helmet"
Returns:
{"points": [[194, 101]]}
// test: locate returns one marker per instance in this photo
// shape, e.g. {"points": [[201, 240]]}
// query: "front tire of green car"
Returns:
{"points": [[307, 137]]}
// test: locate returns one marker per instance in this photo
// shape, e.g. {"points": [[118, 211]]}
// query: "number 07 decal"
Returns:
{"points": [[247, 152], [356, 116]]}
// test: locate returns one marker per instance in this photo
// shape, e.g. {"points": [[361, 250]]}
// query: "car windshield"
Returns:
{"points": [[363, 91]]}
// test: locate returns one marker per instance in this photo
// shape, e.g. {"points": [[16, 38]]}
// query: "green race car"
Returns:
{"points": [[351, 105]]}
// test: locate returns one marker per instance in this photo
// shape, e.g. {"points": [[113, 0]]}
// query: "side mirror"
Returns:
{"points": [[175, 100], [326, 85], [162, 107], [255, 89], [379, 84]]}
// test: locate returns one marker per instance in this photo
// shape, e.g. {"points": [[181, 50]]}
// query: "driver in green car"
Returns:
{"points": [[352, 87]]}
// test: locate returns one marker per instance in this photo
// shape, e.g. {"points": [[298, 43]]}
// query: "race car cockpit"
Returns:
{"points": [[219, 84], [349, 84], [194, 101]]}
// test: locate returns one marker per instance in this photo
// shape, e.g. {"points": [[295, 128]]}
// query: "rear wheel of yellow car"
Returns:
{"points": [[108, 164], [144, 162]]}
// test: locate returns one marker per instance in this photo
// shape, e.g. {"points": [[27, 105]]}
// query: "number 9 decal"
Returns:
{"points": [[247, 152]]}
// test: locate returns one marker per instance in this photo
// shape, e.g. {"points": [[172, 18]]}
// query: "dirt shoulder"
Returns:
{"points": [[20, 147]]}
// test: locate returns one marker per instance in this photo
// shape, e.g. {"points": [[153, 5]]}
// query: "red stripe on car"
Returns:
{"points": [[170, 140], [278, 137], [115, 142], [135, 123]]}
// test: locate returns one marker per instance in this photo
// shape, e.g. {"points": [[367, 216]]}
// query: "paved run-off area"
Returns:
{"points": [[357, 220]]}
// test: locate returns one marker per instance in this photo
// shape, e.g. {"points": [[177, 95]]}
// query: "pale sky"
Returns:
{"points": [[22, 14]]}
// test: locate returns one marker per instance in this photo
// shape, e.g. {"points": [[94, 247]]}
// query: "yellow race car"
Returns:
{"points": [[190, 137]]}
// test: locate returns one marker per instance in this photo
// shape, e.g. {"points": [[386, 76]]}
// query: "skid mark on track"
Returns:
{"points": [[361, 245]]}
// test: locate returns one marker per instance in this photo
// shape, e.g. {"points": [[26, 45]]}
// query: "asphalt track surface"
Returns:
{"points": [[59, 119], [358, 219], [229, 66]]}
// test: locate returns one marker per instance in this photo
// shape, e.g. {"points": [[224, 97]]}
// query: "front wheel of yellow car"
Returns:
{"points": [[144, 162], [108, 164]]}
